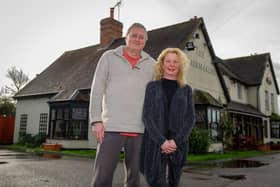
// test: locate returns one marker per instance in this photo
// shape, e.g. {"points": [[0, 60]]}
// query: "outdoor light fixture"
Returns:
{"points": [[190, 46]]}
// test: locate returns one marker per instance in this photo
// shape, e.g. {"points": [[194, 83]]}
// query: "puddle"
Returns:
{"points": [[50, 156], [9, 157], [201, 178], [41, 155], [13, 154], [233, 177], [242, 164], [193, 171], [34, 156], [230, 164]]}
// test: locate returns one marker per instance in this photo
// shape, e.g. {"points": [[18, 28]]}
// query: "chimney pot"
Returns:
{"points": [[112, 13]]}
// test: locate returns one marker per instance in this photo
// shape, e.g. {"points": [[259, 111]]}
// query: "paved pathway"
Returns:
{"points": [[21, 169]]}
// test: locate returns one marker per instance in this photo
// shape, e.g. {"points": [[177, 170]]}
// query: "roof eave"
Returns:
{"points": [[35, 95]]}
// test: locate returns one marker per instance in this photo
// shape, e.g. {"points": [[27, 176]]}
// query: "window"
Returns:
{"points": [[266, 100], [214, 116], [218, 115], [79, 123], [43, 123], [53, 114], [69, 123], [213, 124], [272, 102], [209, 116], [79, 113], [275, 129], [265, 128], [239, 91], [23, 124], [200, 117]]}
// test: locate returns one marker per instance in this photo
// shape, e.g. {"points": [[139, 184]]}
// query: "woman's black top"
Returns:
{"points": [[169, 88]]}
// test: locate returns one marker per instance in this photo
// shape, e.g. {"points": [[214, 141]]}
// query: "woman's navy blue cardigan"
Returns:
{"points": [[181, 120]]}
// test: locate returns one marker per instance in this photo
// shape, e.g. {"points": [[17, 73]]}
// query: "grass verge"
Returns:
{"points": [[226, 155], [90, 153]]}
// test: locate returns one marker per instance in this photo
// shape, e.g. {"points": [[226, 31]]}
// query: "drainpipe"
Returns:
{"points": [[258, 98]]}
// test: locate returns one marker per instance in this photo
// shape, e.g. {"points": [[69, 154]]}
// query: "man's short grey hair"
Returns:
{"points": [[137, 25]]}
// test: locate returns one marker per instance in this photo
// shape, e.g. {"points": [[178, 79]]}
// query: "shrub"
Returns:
{"points": [[24, 138], [227, 129], [39, 139], [275, 117], [199, 141], [31, 141]]}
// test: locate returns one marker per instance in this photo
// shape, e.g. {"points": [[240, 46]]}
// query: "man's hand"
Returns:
{"points": [[98, 131]]}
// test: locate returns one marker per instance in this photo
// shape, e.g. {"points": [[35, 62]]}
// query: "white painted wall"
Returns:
{"points": [[92, 143], [268, 138], [271, 89], [33, 108], [253, 96], [202, 73], [232, 87]]}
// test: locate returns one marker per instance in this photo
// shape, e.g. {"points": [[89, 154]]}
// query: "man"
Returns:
{"points": [[116, 104]]}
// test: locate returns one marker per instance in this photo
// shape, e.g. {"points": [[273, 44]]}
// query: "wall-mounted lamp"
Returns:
{"points": [[189, 46]]}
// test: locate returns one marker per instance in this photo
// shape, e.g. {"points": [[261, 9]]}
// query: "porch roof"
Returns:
{"points": [[204, 98], [245, 109]]}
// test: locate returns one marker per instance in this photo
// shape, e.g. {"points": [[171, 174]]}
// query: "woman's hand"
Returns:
{"points": [[172, 143], [168, 146]]}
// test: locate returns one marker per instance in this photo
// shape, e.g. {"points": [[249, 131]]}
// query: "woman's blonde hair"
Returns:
{"points": [[183, 60]]}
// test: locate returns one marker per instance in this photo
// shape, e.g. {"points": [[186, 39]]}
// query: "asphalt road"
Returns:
{"points": [[21, 169]]}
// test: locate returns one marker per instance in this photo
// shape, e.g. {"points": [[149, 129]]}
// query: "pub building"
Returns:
{"points": [[56, 101]]}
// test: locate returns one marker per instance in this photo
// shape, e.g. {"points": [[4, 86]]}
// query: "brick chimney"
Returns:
{"points": [[110, 29]]}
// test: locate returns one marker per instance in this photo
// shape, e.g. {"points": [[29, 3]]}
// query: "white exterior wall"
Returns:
{"points": [[253, 96], [33, 108], [202, 73], [232, 89], [230, 85], [271, 89], [268, 138], [92, 143]]}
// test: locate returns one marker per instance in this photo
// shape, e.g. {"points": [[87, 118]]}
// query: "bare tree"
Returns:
{"points": [[3, 91], [18, 77]]}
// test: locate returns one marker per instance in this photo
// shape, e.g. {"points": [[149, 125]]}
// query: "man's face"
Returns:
{"points": [[136, 39]]}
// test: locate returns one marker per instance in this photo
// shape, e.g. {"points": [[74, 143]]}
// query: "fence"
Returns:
{"points": [[7, 125]]}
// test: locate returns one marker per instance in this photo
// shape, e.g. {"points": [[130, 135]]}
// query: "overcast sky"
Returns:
{"points": [[34, 33]]}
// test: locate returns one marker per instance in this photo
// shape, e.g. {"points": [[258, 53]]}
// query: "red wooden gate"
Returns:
{"points": [[7, 125]]}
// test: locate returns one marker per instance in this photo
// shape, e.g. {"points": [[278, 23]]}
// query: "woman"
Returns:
{"points": [[168, 117]]}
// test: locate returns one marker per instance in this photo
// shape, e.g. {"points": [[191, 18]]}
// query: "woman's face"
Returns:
{"points": [[171, 66]]}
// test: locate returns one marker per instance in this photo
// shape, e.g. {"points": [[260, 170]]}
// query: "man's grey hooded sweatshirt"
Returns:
{"points": [[118, 90]]}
